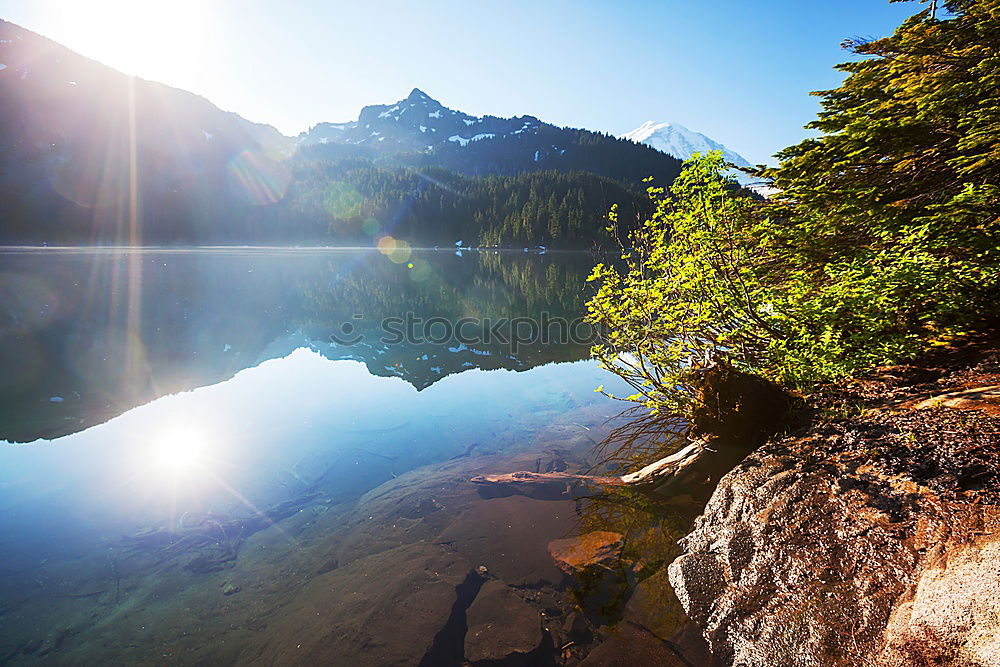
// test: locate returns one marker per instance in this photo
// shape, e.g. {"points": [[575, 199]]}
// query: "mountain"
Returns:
{"points": [[89, 155], [675, 139], [417, 123], [420, 131], [82, 144]]}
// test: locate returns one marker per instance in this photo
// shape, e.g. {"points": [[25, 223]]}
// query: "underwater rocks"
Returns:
{"points": [[875, 535], [424, 571], [386, 609], [510, 537], [229, 588], [501, 626], [632, 646], [600, 548]]}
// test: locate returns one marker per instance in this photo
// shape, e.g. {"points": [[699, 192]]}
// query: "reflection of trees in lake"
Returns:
{"points": [[481, 284], [484, 287], [81, 341]]}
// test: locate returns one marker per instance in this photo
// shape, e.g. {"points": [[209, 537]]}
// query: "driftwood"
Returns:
{"points": [[541, 485], [661, 477]]}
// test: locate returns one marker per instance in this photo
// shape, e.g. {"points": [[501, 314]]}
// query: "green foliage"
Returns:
{"points": [[913, 133], [693, 288], [883, 239], [894, 212]]}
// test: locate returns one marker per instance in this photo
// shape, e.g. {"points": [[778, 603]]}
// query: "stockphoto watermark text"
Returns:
{"points": [[513, 333]]}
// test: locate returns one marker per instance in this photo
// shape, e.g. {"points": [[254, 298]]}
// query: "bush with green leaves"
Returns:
{"points": [[714, 277], [691, 288]]}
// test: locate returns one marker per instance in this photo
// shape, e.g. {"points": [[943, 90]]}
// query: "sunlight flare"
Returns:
{"points": [[180, 449]]}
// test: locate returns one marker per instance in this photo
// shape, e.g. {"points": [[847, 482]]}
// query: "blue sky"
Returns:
{"points": [[738, 71]]}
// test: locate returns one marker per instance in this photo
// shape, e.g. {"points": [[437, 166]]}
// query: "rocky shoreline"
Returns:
{"points": [[869, 537]]}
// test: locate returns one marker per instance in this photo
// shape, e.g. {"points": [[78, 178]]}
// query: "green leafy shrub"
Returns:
{"points": [[691, 289]]}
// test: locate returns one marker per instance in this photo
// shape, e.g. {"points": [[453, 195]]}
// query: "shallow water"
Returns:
{"points": [[155, 397]]}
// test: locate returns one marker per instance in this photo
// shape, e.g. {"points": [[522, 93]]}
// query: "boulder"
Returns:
{"points": [[953, 616], [866, 536]]}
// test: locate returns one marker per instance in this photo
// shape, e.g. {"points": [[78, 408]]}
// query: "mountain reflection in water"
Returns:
{"points": [[86, 335], [193, 430]]}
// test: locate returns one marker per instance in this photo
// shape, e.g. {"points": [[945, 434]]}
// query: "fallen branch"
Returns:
{"points": [[659, 477]]}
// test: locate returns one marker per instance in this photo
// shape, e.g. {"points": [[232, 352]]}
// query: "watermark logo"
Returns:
{"points": [[511, 333]]}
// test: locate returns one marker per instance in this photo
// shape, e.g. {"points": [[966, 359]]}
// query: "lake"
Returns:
{"points": [[263, 455]]}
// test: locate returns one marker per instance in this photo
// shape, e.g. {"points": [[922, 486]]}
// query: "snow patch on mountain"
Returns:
{"points": [[410, 122], [677, 140]]}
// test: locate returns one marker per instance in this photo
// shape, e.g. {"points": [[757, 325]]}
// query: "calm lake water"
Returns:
{"points": [[148, 394]]}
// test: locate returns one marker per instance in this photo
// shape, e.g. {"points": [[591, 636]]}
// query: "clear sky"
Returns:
{"points": [[738, 70]]}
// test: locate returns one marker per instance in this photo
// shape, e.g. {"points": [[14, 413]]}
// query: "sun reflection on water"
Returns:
{"points": [[180, 449]]}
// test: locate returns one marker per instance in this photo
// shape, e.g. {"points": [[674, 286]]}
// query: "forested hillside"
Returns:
{"points": [[357, 201]]}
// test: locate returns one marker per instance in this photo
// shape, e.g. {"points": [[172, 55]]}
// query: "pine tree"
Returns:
{"points": [[912, 137]]}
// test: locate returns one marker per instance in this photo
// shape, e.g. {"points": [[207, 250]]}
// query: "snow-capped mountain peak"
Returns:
{"points": [[416, 123], [677, 140], [417, 95]]}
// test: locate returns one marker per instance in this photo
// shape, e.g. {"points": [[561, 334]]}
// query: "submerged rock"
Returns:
{"points": [[229, 588], [602, 581], [576, 628], [632, 646], [600, 548], [386, 609], [501, 625], [509, 536]]}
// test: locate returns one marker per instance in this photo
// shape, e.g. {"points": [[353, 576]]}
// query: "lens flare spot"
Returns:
{"points": [[396, 250], [420, 270], [342, 201], [371, 226], [258, 179]]}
